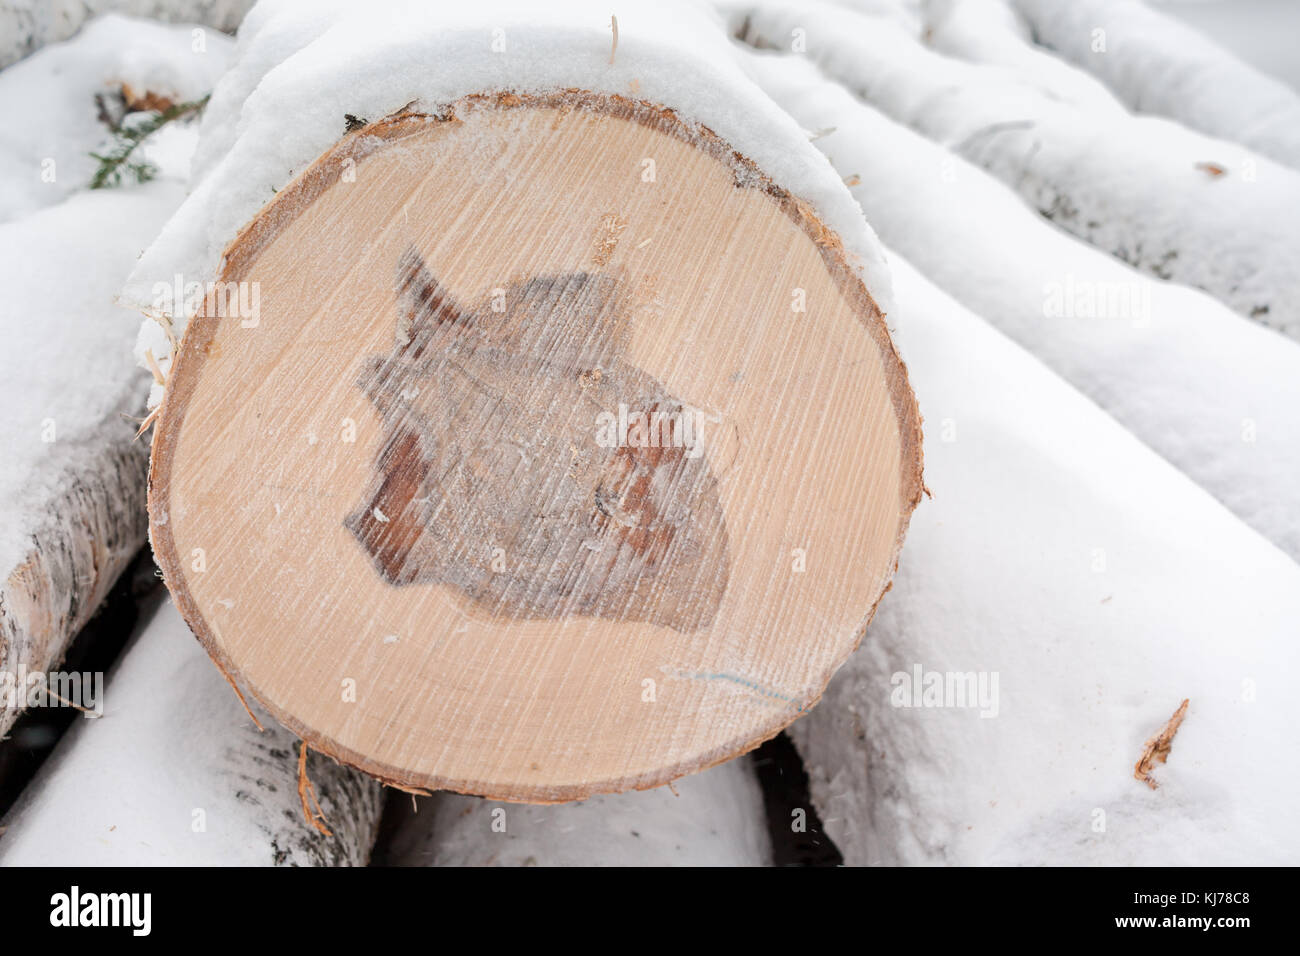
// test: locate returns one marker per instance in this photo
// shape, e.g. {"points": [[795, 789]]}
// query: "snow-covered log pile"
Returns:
{"points": [[989, 31], [1061, 595], [1157, 65], [175, 772], [713, 818], [997, 717], [73, 478], [1172, 202], [1131, 343], [443, 239]]}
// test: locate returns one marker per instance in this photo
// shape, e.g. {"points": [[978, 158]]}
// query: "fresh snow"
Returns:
{"points": [[28, 25], [990, 32], [66, 383], [712, 818], [175, 773], [1082, 581], [1216, 394], [317, 63], [1158, 65], [52, 122], [1175, 203], [73, 477], [1102, 588]]}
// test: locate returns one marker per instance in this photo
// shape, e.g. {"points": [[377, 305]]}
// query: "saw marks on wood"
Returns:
{"points": [[487, 477], [566, 454]]}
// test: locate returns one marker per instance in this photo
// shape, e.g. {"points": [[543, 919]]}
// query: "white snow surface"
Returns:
{"points": [[51, 118], [1103, 588], [991, 32], [713, 818], [316, 63], [1171, 201], [1157, 64], [68, 376], [28, 25], [176, 774], [1216, 394]]}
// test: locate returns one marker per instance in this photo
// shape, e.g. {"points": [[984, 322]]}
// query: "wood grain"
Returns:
{"points": [[388, 508]]}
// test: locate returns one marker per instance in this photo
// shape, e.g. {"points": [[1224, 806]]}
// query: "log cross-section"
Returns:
{"points": [[566, 452]]}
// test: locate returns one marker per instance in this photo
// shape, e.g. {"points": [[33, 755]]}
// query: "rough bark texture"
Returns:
{"points": [[73, 476], [79, 546]]}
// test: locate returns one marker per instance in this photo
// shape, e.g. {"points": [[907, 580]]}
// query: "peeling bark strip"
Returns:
{"points": [[488, 416], [1157, 748], [418, 544]]}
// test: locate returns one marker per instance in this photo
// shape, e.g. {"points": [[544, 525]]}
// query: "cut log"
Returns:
{"points": [[1157, 64], [715, 818], [175, 773], [1140, 348], [74, 478], [1170, 201], [73, 481], [566, 453], [1041, 629]]}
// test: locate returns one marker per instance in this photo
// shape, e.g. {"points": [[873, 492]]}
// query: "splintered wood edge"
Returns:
{"points": [[281, 211]]}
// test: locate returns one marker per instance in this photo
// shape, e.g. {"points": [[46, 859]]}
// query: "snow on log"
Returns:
{"points": [[1061, 595], [1214, 393], [563, 434], [989, 31], [714, 818], [59, 104], [73, 478], [175, 773], [1157, 64], [28, 25], [1172, 202]]}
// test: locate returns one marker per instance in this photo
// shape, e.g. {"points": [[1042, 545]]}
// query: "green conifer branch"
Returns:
{"points": [[116, 162]]}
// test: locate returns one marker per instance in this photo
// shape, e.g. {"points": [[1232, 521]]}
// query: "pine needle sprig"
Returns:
{"points": [[116, 163]]}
